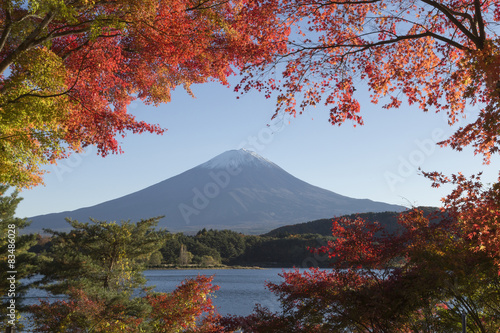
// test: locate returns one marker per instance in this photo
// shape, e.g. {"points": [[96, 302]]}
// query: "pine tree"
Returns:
{"points": [[103, 262], [15, 261]]}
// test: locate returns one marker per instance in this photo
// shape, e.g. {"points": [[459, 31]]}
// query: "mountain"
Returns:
{"points": [[237, 190]]}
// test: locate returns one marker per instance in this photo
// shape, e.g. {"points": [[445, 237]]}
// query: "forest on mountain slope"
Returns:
{"points": [[287, 246]]}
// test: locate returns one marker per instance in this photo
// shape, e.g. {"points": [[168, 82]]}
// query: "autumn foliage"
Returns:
{"points": [[69, 69], [440, 55], [476, 207], [98, 269], [419, 279], [81, 313], [188, 308], [74, 67]]}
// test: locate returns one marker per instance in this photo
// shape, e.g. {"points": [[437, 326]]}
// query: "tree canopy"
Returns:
{"points": [[440, 55], [443, 56], [69, 69]]}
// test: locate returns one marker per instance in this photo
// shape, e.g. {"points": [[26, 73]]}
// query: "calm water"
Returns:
{"points": [[240, 289]]}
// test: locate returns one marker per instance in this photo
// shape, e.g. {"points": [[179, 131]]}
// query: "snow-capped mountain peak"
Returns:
{"points": [[237, 158]]}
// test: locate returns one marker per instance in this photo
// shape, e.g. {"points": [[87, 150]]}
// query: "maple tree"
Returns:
{"points": [[82, 313], [68, 69], [477, 207], [187, 308], [440, 55], [418, 279]]}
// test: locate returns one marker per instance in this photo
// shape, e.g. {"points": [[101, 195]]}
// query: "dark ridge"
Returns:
{"points": [[323, 226]]}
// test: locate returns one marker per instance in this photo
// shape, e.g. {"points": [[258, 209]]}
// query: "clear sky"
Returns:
{"points": [[377, 161]]}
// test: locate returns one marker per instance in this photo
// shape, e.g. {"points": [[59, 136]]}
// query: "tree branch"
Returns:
{"points": [[61, 34], [480, 22], [80, 69], [201, 5], [328, 3], [363, 47], [6, 31], [449, 14], [27, 43]]}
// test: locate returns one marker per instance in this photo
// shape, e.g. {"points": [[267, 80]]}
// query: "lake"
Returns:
{"points": [[240, 289]]}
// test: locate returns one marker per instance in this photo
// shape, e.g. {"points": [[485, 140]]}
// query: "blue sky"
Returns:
{"points": [[377, 161]]}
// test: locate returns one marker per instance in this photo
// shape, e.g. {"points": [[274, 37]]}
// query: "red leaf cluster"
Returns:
{"points": [[420, 278], [440, 55]]}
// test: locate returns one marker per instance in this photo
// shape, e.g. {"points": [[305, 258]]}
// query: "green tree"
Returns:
{"points": [[101, 254], [102, 262], [155, 259], [199, 250], [170, 250], [185, 257], [229, 244], [14, 255], [208, 261]]}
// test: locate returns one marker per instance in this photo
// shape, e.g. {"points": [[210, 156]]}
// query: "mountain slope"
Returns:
{"points": [[389, 220], [236, 190]]}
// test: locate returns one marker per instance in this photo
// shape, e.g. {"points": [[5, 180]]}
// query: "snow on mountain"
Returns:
{"points": [[237, 158]]}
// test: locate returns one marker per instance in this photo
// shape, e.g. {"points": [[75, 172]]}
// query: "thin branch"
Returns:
{"points": [[62, 34], [6, 137], [36, 95], [80, 69], [364, 47], [200, 5], [329, 3], [78, 48], [28, 16]]}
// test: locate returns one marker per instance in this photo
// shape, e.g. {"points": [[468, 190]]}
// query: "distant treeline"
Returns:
{"points": [[288, 246], [210, 248], [232, 248]]}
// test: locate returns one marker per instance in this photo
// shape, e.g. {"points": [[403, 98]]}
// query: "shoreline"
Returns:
{"points": [[169, 267]]}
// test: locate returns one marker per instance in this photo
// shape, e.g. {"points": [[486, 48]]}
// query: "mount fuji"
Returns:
{"points": [[237, 190]]}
